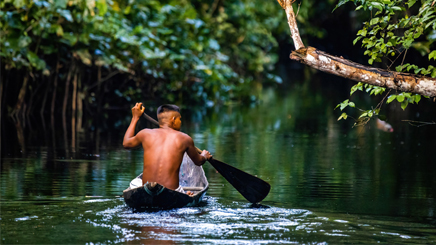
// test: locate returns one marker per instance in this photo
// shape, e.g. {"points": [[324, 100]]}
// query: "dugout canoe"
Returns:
{"points": [[155, 196]]}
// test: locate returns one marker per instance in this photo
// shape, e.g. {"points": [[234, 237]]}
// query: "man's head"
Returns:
{"points": [[169, 115]]}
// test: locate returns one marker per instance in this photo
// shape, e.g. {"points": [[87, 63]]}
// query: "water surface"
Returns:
{"points": [[331, 183]]}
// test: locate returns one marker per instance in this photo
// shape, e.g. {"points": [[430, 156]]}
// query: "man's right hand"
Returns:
{"points": [[137, 110], [206, 154]]}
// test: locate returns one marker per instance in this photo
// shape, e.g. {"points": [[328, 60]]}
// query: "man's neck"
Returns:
{"points": [[165, 126]]}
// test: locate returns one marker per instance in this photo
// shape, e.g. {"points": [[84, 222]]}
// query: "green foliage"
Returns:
{"points": [[390, 31], [405, 98], [342, 106], [392, 28], [177, 50]]}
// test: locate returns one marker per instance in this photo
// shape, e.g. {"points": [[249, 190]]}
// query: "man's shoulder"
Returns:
{"points": [[182, 135], [176, 133], [145, 131]]}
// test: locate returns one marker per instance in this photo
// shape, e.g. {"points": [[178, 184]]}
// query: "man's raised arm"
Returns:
{"points": [[130, 139]]}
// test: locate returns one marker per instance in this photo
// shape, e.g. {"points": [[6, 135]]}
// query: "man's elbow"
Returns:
{"points": [[198, 163], [201, 162], [126, 145]]}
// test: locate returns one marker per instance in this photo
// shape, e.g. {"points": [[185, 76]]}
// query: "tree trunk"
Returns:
{"points": [[1, 109], [32, 96], [67, 90], [55, 86], [21, 95], [64, 106], [44, 101], [322, 61], [80, 97], [73, 111]]}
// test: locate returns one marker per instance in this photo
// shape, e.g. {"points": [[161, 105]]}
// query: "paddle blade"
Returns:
{"points": [[251, 187]]}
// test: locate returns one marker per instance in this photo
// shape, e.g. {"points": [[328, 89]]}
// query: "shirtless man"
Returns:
{"points": [[164, 147]]}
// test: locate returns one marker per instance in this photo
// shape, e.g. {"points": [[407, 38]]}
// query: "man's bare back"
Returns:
{"points": [[163, 147]]}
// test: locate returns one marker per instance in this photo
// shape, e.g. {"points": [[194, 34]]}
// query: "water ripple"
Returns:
{"points": [[238, 223]]}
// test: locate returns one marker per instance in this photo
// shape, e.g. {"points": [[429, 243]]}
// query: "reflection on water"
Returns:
{"points": [[331, 183]]}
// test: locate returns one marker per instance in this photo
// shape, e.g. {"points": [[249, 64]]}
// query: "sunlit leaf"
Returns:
{"points": [[432, 55], [341, 2], [343, 116], [404, 104], [400, 98], [391, 98]]}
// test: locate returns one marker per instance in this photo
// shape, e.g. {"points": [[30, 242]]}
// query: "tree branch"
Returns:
{"points": [[322, 61]]}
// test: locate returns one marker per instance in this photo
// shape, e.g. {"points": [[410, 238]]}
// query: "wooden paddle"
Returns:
{"points": [[252, 188]]}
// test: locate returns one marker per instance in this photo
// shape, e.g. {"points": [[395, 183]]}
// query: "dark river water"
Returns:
{"points": [[331, 182]]}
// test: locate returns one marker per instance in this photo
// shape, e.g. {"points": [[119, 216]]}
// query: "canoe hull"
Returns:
{"points": [[155, 196]]}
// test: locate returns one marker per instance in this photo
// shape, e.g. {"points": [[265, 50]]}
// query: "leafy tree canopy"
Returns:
{"points": [[200, 51]]}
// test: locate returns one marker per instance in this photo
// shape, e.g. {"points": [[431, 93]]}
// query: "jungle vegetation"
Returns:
{"points": [[78, 56], [72, 56]]}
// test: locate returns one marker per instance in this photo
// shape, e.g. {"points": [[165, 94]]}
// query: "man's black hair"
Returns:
{"points": [[167, 107]]}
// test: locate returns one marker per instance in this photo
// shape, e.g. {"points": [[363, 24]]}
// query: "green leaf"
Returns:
{"points": [[364, 114], [344, 104], [391, 98], [101, 7], [410, 3], [355, 40], [35, 61], [400, 97], [61, 4], [432, 55], [66, 14], [417, 98], [69, 38], [59, 31], [377, 5], [377, 111], [404, 104], [362, 32], [24, 41], [374, 21], [342, 2], [343, 116], [356, 87]]}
